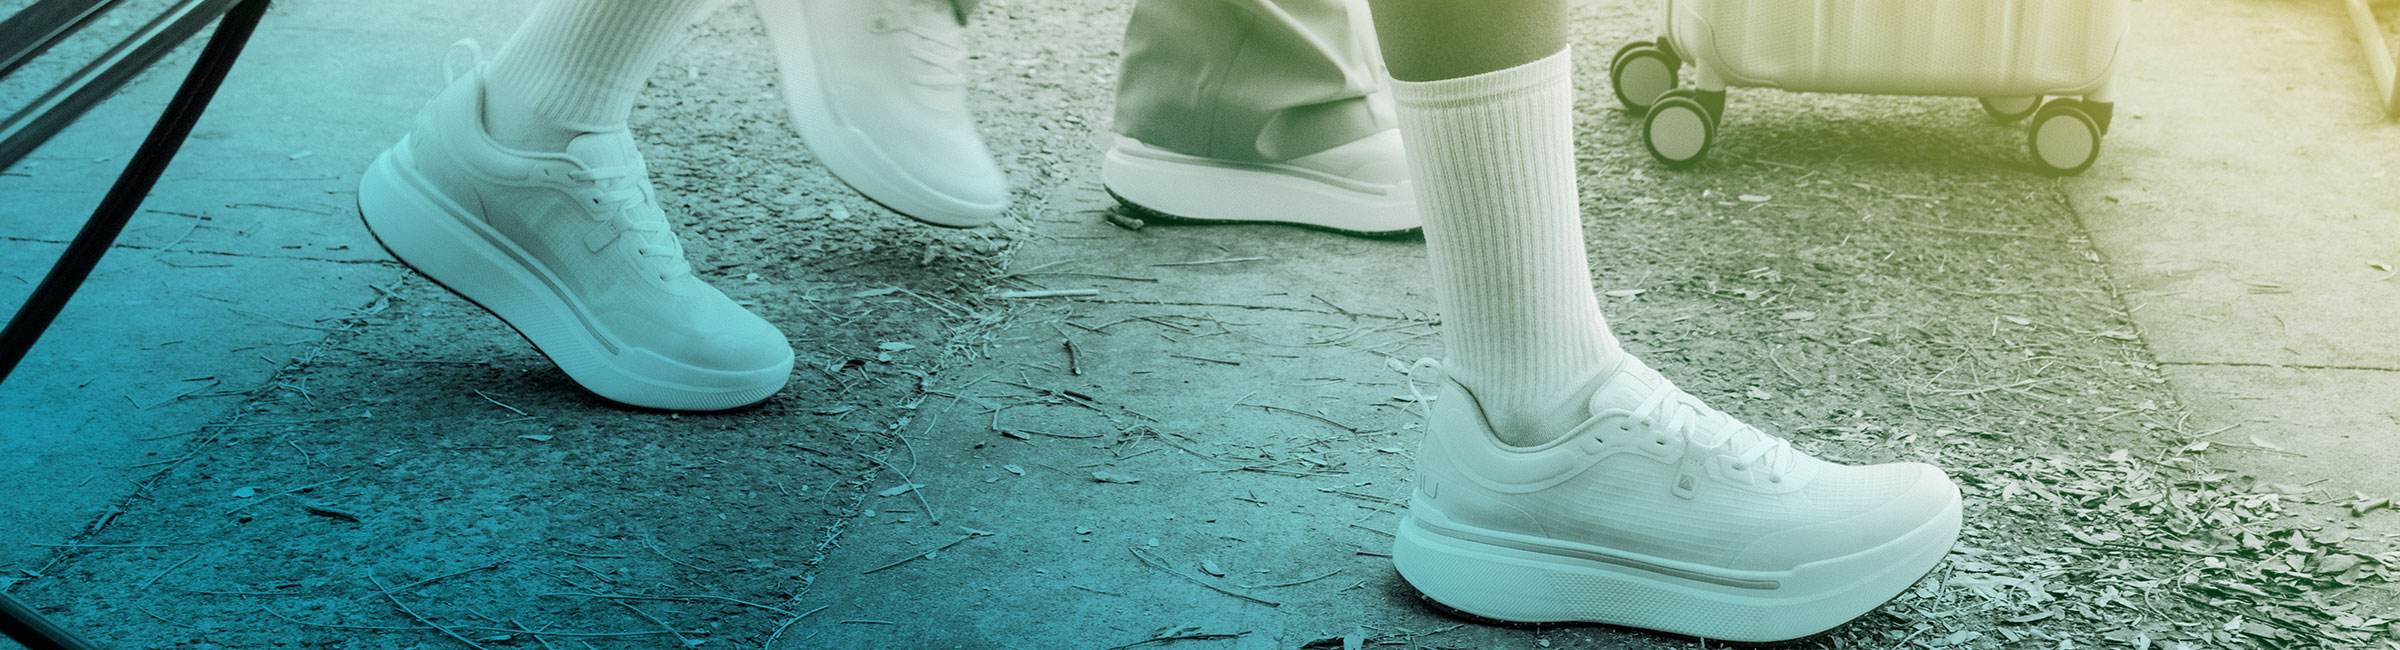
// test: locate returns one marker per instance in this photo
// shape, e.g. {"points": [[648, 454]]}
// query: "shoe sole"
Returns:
{"points": [[1220, 193], [848, 152], [1515, 579], [436, 237]]}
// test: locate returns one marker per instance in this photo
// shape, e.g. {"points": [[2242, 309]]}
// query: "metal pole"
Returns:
{"points": [[125, 197], [18, 620]]}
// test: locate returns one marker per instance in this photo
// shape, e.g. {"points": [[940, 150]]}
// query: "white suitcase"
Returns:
{"points": [[2010, 53]]}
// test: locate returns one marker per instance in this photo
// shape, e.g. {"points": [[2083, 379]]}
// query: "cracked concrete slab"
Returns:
{"points": [[2245, 205], [2298, 426]]}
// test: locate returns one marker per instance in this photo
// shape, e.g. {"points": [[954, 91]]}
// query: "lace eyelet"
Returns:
{"points": [[1739, 467], [1778, 480]]}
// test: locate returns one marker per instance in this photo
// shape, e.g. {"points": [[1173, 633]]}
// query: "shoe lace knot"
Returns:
{"points": [[933, 30], [1708, 431], [620, 194]]}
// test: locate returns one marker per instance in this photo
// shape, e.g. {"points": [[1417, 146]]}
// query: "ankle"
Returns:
{"points": [[524, 132], [1531, 413]]}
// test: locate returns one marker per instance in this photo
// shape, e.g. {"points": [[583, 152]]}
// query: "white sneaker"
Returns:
{"points": [[1360, 188], [875, 87], [572, 250], [1664, 514]]}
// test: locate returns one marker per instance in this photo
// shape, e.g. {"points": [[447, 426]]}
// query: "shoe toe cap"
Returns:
{"points": [[708, 337], [738, 342], [1885, 504], [959, 189]]}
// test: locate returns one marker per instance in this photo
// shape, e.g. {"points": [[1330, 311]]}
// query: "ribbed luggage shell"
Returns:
{"points": [[1906, 47]]}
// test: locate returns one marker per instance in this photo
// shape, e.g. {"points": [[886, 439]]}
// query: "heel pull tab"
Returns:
{"points": [[454, 66]]}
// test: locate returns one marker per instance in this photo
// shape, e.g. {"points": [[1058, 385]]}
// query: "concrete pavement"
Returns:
{"points": [[2217, 267], [246, 249], [2247, 204]]}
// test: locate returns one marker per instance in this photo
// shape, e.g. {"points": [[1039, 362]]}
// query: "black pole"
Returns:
{"points": [[17, 620], [20, 622], [125, 197]]}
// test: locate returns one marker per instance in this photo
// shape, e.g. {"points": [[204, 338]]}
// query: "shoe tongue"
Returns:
{"points": [[605, 149], [1633, 383]]}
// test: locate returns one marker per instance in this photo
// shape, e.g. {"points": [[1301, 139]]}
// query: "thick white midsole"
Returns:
{"points": [[1525, 579], [436, 237], [1198, 190]]}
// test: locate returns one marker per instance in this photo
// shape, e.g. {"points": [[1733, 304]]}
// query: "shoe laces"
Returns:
{"points": [[1704, 429], [933, 30], [621, 194]]}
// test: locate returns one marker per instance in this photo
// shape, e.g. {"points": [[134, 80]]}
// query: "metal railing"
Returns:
{"points": [[27, 35]]}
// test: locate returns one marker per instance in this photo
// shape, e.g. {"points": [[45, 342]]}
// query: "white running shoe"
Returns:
{"points": [[875, 87], [1662, 513], [1361, 187], [572, 250]]}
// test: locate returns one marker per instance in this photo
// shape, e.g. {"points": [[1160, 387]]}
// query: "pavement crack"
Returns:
{"points": [[1303, 310], [194, 251], [2257, 364]]}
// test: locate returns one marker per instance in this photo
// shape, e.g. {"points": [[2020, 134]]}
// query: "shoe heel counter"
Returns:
{"points": [[445, 152], [1447, 484]]}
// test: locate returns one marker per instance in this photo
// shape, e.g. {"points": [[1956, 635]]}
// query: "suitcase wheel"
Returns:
{"points": [[1679, 129], [2064, 137], [1641, 72], [2008, 110]]}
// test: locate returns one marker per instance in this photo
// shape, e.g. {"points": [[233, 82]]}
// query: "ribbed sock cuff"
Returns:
{"points": [[578, 64], [1538, 75]]}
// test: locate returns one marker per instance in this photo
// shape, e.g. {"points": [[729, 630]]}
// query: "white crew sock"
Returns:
{"points": [[575, 66], [1493, 157]]}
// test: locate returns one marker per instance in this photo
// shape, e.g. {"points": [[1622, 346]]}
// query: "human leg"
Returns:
{"points": [[1258, 111], [575, 66], [1562, 479]]}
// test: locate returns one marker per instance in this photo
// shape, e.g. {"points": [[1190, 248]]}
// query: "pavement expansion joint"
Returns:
{"points": [[197, 251], [2262, 364]]}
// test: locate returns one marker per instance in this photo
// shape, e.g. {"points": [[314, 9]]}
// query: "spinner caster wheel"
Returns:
{"points": [[1679, 129], [2064, 137], [2008, 110], [1641, 72]]}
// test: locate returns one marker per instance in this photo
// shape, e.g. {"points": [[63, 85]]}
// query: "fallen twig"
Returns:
{"points": [[770, 644], [296, 490], [678, 599], [1297, 583], [171, 569], [1224, 260], [387, 595], [944, 547], [420, 583], [1155, 564], [1194, 636], [323, 511], [1047, 293], [511, 409]]}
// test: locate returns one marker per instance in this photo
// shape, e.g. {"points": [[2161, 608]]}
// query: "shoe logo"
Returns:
{"points": [[1687, 477]]}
